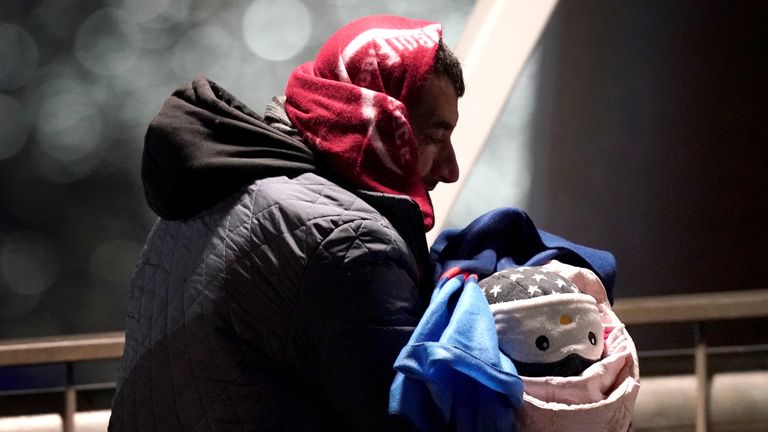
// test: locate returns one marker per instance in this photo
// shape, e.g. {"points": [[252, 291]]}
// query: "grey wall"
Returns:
{"points": [[650, 141]]}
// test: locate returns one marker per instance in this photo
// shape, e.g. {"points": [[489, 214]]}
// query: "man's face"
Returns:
{"points": [[433, 115]]}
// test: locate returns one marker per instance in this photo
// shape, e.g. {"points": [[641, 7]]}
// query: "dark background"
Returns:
{"points": [[651, 141]]}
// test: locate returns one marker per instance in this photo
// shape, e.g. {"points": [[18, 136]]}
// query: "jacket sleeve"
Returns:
{"points": [[358, 307]]}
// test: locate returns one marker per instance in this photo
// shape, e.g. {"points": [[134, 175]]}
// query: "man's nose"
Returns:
{"points": [[447, 168]]}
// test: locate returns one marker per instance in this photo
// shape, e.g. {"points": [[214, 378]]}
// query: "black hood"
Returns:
{"points": [[205, 144]]}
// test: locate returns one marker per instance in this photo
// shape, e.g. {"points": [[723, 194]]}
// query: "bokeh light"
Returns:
{"points": [[288, 18], [14, 305], [141, 11], [13, 127], [27, 265], [19, 56], [429, 10], [207, 50], [114, 261], [176, 12], [69, 121], [155, 38], [58, 171], [107, 42], [139, 102], [56, 18], [202, 10], [342, 2]]}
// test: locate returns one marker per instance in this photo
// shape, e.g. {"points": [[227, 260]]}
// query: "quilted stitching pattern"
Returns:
{"points": [[216, 299]]}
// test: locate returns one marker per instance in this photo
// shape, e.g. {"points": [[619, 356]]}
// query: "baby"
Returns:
{"points": [[534, 347]]}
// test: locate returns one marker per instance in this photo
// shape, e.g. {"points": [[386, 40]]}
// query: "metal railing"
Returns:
{"points": [[66, 350], [696, 309], [690, 308]]}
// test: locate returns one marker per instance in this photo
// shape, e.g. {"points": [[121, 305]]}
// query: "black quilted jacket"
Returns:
{"points": [[281, 307]]}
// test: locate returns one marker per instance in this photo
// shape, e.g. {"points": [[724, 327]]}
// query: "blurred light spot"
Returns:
{"points": [[70, 139], [18, 57], [138, 107], [342, 2], [28, 266], [156, 38], [144, 10], [57, 18], [176, 12], [433, 10], [13, 305], [348, 12], [115, 260], [277, 29], [69, 122], [430, 8], [209, 51], [202, 11], [58, 171], [65, 76], [13, 127], [271, 77], [106, 42]]}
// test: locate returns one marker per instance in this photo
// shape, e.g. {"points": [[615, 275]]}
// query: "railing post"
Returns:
{"points": [[70, 401], [702, 380]]}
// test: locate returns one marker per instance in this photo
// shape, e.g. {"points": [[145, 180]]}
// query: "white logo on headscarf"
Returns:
{"points": [[390, 42], [369, 114]]}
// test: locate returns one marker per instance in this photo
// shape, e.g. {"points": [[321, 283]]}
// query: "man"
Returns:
{"points": [[290, 266]]}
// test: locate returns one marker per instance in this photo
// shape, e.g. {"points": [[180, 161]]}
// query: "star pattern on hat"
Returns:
{"points": [[524, 283]]}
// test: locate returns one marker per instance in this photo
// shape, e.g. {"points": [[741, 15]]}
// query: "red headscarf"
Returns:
{"points": [[348, 103]]}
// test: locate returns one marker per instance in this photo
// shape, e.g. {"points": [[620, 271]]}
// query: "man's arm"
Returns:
{"points": [[358, 307]]}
